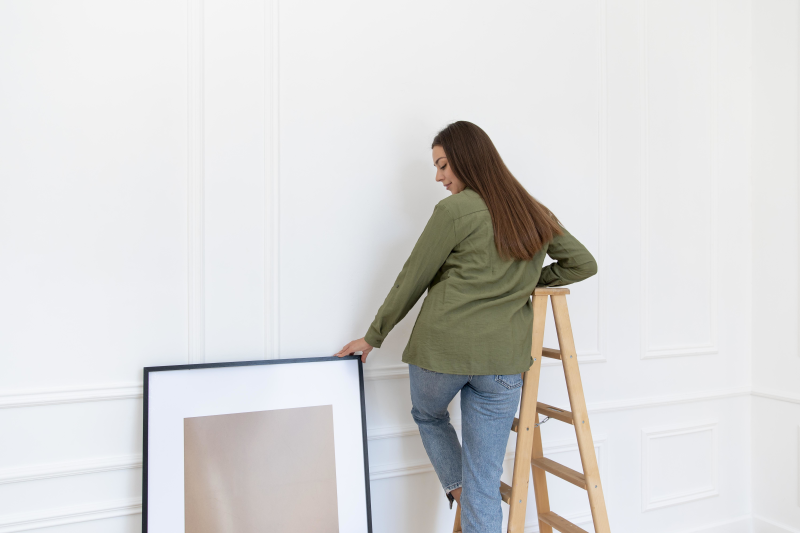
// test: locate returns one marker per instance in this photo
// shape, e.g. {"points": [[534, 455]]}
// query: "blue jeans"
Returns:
{"points": [[488, 405]]}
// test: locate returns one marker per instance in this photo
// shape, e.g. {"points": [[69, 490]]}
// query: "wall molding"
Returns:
{"points": [[111, 509], [668, 399], [381, 471], [598, 356], [409, 468], [272, 181], [396, 431], [401, 430], [400, 370], [69, 515], [648, 435], [409, 430], [781, 396], [397, 371], [57, 396], [80, 467], [710, 347], [399, 469], [196, 181], [133, 391]]}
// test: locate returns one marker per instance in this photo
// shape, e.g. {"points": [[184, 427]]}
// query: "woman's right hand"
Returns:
{"points": [[354, 346]]}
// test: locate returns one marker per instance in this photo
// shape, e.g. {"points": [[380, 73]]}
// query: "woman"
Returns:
{"points": [[480, 257]]}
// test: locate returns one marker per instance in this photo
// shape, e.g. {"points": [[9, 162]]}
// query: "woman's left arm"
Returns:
{"points": [[432, 248]]}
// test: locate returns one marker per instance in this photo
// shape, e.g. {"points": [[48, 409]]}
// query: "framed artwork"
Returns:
{"points": [[270, 445]]}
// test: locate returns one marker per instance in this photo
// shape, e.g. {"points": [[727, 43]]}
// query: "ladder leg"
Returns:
{"points": [[540, 480], [527, 415], [583, 432], [457, 523]]}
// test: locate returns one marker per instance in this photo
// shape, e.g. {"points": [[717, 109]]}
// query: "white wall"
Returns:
{"points": [[775, 361], [207, 181]]}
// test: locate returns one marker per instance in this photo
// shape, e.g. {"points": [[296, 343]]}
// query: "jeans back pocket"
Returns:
{"points": [[509, 381]]}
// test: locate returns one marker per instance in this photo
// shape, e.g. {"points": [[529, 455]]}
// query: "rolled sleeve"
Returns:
{"points": [[573, 262]]}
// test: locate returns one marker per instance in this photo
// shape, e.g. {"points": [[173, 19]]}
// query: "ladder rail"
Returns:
{"points": [[527, 417], [540, 480], [580, 416]]}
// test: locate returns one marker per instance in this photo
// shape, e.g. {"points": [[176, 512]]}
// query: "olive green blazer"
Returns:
{"points": [[477, 318]]}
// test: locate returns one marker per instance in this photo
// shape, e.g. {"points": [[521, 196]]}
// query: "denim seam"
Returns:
{"points": [[450, 496], [453, 486]]}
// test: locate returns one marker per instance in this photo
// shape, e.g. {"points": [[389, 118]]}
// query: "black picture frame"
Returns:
{"points": [[259, 362]]}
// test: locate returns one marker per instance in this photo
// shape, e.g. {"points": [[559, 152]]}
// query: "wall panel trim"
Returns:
{"points": [[395, 431], [397, 371], [69, 515], [196, 182], [602, 165], [670, 399], [687, 496], [400, 370], [272, 181], [69, 468], [777, 395], [408, 468], [57, 396], [712, 346], [401, 430], [133, 391]]}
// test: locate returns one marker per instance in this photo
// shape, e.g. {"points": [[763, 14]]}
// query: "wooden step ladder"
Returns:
{"points": [[529, 435]]}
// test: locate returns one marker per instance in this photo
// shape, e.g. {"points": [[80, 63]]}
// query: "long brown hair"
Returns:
{"points": [[522, 225]]}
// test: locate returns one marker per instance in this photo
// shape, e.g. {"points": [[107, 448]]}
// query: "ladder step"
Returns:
{"points": [[552, 291], [551, 353], [547, 410], [554, 412], [505, 492], [557, 469], [561, 524]]}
